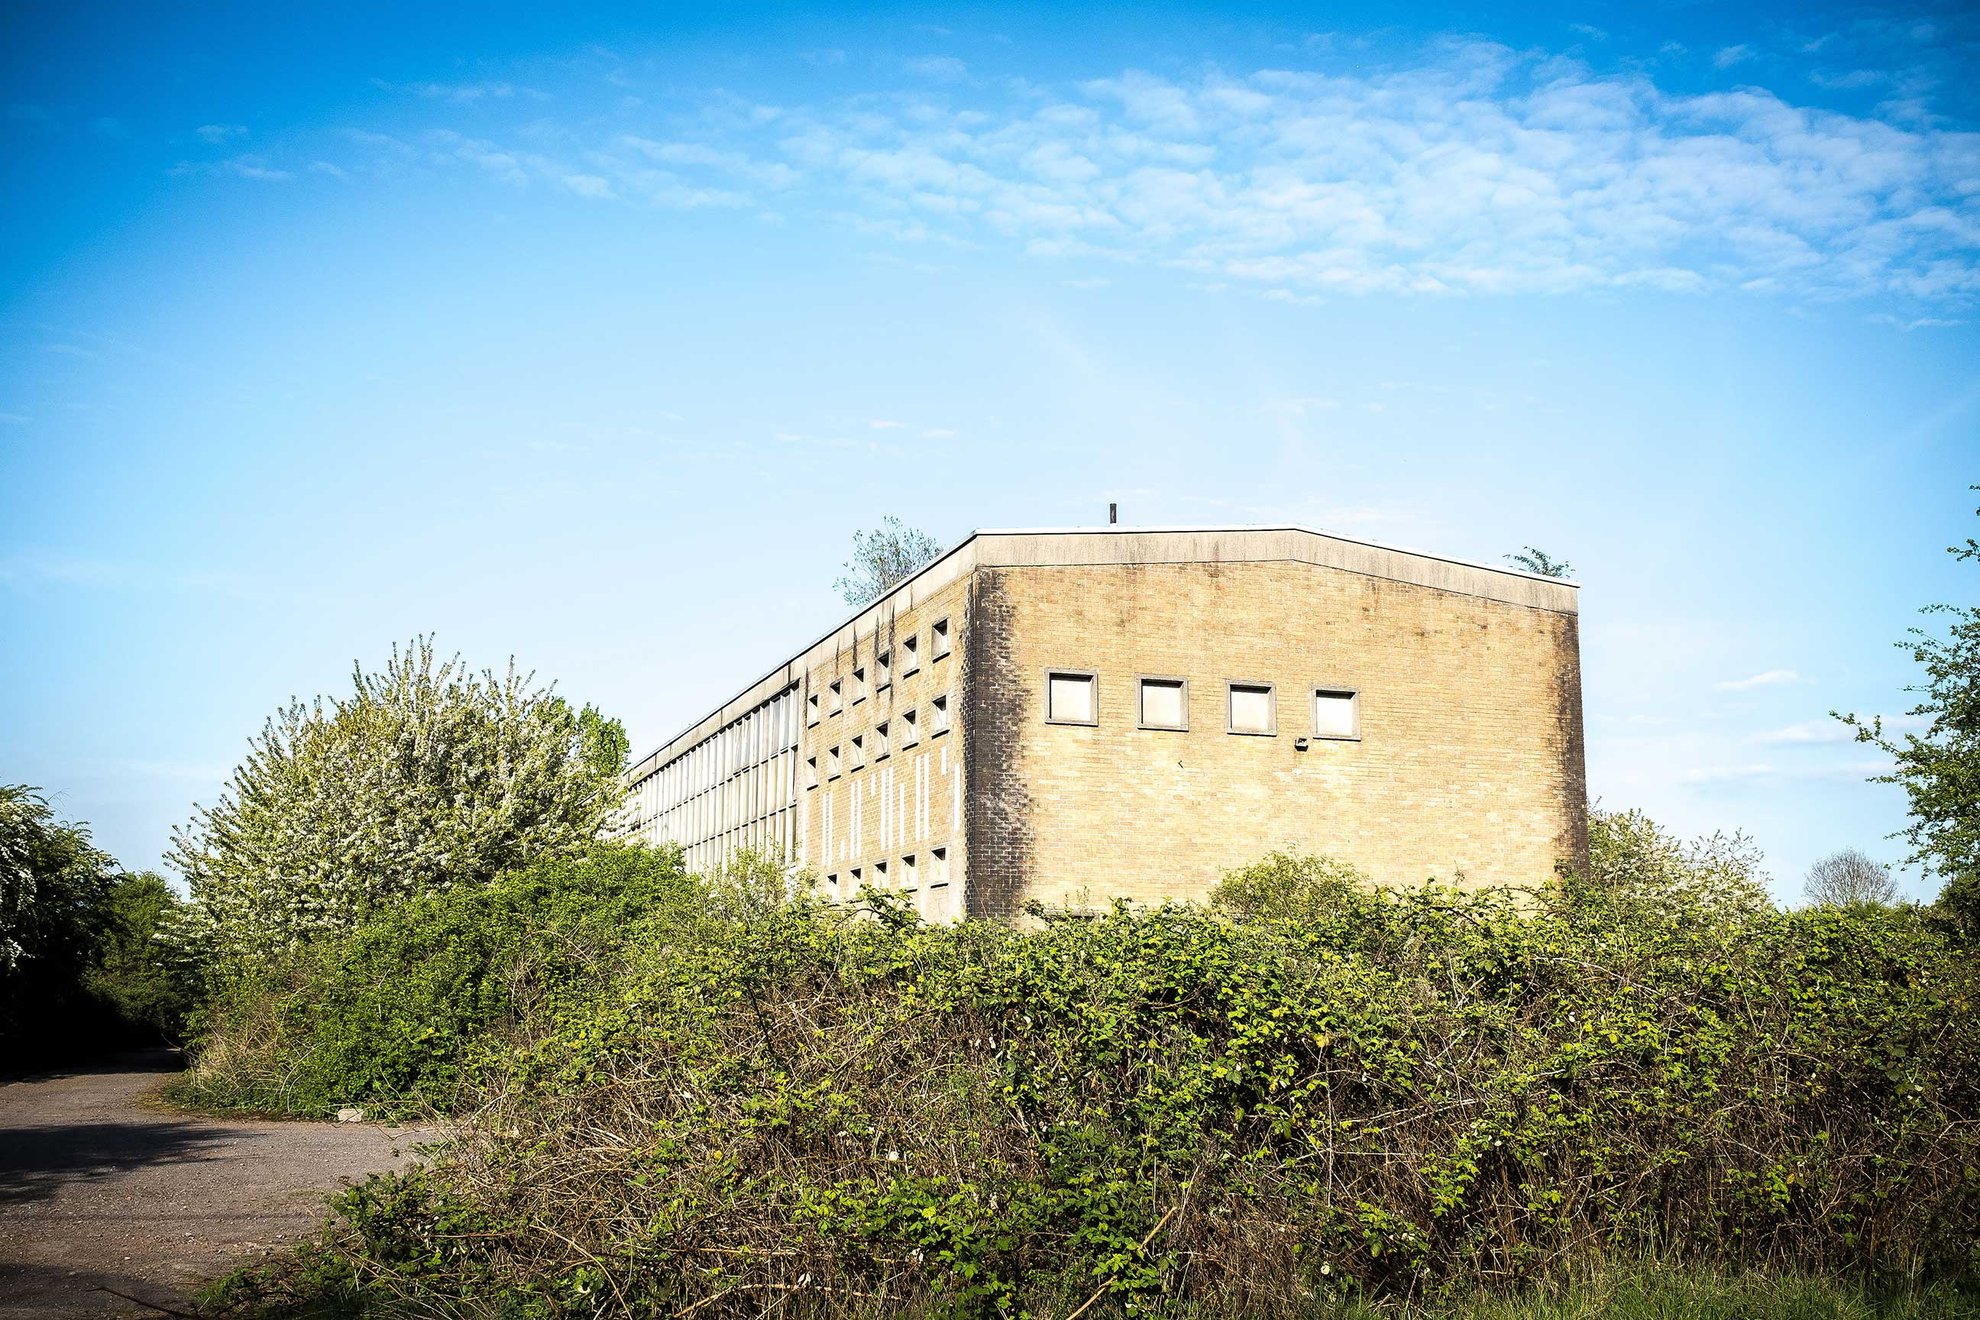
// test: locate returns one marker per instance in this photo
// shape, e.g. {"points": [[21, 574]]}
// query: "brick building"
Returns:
{"points": [[1073, 716]]}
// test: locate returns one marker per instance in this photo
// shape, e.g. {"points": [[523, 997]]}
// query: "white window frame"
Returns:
{"points": [[883, 746], [1092, 677], [939, 717], [883, 671], [1141, 682], [1271, 690], [939, 642], [1354, 705], [910, 654], [910, 727]]}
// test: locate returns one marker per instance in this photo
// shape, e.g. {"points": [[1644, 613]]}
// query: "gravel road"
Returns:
{"points": [[102, 1189]]}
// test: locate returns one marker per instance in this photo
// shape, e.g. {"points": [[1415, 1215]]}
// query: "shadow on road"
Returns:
{"points": [[40, 1152], [35, 1161]]}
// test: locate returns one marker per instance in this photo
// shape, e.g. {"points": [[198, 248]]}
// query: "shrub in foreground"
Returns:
{"points": [[1306, 1093], [405, 1013]]}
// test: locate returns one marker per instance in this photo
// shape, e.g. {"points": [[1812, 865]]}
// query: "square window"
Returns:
{"points": [[938, 716], [1164, 703], [909, 731], [882, 747], [1252, 709], [910, 655], [858, 751], [1070, 697], [883, 669], [938, 639], [838, 695], [938, 867], [832, 763], [1337, 714], [811, 709]]}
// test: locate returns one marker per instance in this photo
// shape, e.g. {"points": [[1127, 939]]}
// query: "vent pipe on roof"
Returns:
{"points": [[1113, 514]]}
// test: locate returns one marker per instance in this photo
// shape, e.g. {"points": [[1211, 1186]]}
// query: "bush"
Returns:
{"points": [[1307, 1092], [405, 1011]]}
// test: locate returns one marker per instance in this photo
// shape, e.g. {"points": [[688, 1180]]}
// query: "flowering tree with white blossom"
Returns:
{"points": [[427, 777]]}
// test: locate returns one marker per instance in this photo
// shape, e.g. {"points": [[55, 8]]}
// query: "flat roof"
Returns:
{"points": [[1042, 547]]}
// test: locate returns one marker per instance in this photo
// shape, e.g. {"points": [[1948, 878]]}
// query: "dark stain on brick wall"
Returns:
{"points": [[996, 805], [1572, 847]]}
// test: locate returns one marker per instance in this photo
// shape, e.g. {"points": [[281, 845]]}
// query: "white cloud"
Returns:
{"points": [[1731, 55], [938, 433], [883, 424], [1763, 772], [1473, 169], [1805, 734], [588, 185], [218, 133], [1766, 678], [945, 68]]}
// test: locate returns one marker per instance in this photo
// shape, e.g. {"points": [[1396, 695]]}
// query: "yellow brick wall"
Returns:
{"points": [[908, 803], [1469, 762]]}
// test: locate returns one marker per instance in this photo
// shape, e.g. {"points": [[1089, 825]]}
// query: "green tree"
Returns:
{"points": [[882, 557], [54, 884], [136, 974], [1539, 561], [1940, 767], [428, 776]]}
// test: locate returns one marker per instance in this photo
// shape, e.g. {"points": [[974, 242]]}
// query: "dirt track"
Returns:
{"points": [[100, 1189]]}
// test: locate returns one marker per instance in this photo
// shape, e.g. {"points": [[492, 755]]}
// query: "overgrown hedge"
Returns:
{"points": [[409, 1012], [1304, 1090]]}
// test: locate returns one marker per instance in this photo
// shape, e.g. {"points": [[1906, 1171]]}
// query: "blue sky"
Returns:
{"points": [[591, 336]]}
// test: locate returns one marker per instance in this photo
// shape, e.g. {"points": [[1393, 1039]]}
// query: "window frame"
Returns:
{"points": [[939, 641], [910, 726], [910, 648], [1231, 685], [1353, 694], [883, 670], [1141, 709], [834, 763], [859, 685], [813, 709], [837, 687], [883, 743], [858, 745], [939, 707], [1092, 676]]}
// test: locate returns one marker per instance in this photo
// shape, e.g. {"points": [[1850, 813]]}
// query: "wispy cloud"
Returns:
{"points": [[219, 133], [1765, 678], [1472, 168], [1763, 772]]}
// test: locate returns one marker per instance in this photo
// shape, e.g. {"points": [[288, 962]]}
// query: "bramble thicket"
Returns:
{"points": [[1306, 1088]]}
